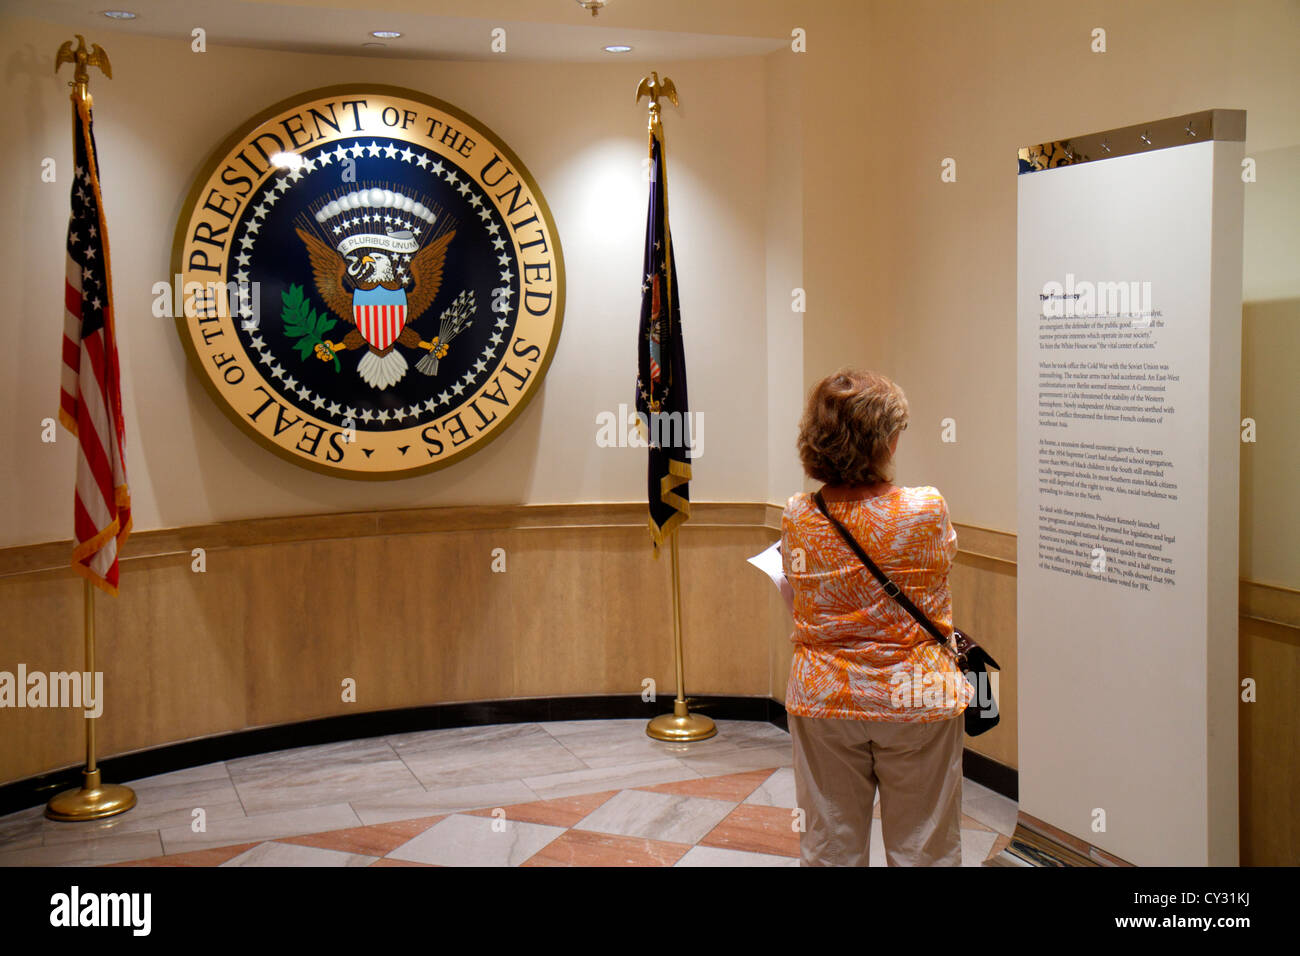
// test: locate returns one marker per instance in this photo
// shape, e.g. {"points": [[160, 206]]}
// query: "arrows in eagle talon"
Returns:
{"points": [[437, 347], [455, 319], [429, 363]]}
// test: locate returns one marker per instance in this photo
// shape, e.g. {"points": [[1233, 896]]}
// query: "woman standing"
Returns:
{"points": [[873, 700]]}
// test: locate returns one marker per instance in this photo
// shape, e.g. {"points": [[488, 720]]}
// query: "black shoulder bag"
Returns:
{"points": [[973, 659]]}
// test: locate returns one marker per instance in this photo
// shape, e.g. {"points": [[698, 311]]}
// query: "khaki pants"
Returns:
{"points": [[837, 767]]}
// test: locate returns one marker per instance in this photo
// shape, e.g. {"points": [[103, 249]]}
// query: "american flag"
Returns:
{"points": [[90, 395]]}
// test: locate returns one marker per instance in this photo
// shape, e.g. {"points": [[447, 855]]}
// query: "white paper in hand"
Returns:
{"points": [[769, 562]]}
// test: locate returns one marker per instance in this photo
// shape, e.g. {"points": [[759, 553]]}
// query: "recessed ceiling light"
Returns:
{"points": [[119, 14], [375, 44], [618, 48], [385, 34]]}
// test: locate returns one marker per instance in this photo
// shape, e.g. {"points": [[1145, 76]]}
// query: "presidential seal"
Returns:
{"points": [[368, 281]]}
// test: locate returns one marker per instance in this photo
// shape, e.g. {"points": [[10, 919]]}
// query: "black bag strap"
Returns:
{"points": [[892, 589]]}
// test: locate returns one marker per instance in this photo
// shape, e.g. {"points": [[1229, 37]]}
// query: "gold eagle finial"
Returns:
{"points": [[82, 59], [654, 88]]}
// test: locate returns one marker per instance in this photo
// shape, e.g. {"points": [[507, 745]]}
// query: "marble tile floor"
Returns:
{"points": [[565, 793]]}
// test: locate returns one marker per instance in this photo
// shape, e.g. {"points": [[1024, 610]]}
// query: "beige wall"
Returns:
{"points": [[785, 243], [815, 170], [916, 277], [583, 138]]}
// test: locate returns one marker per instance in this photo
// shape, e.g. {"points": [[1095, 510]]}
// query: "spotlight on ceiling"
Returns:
{"points": [[119, 14], [618, 48], [385, 34]]}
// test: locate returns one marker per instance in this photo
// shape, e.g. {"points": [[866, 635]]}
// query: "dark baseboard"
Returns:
{"points": [[987, 772], [35, 791]]}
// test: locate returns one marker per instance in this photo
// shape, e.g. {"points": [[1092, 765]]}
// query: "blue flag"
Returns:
{"points": [[661, 401]]}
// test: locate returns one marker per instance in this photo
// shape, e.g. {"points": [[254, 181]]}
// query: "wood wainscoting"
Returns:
{"points": [[408, 606]]}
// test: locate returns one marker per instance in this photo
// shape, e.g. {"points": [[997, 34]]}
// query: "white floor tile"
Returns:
{"points": [[117, 848], [988, 807], [476, 841], [776, 791], [549, 786], [741, 760], [717, 856], [975, 846], [657, 816], [290, 854], [261, 826], [425, 803], [320, 776], [465, 760]]}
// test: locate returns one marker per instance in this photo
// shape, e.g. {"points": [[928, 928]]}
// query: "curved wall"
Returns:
{"points": [[819, 173]]}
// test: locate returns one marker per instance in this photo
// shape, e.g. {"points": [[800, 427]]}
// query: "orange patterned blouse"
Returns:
{"points": [[857, 654]]}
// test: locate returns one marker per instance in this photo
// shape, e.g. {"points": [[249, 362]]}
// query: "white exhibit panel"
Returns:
{"points": [[1129, 365]]}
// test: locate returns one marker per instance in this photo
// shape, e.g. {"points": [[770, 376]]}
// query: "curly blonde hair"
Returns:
{"points": [[847, 426]]}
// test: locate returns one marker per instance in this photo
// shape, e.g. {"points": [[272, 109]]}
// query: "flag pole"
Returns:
{"points": [[95, 799], [681, 726]]}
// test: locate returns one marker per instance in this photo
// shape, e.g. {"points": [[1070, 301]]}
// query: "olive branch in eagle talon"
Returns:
{"points": [[302, 323], [374, 270]]}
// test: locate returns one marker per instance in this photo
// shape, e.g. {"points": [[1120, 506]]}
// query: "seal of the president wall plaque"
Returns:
{"points": [[370, 282]]}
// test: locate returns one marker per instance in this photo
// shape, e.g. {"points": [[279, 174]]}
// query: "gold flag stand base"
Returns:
{"points": [[93, 801], [681, 725]]}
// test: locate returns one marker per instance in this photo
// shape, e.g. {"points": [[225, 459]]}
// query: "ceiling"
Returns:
{"points": [[551, 30]]}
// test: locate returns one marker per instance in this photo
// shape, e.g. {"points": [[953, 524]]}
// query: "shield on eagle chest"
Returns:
{"points": [[380, 314]]}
